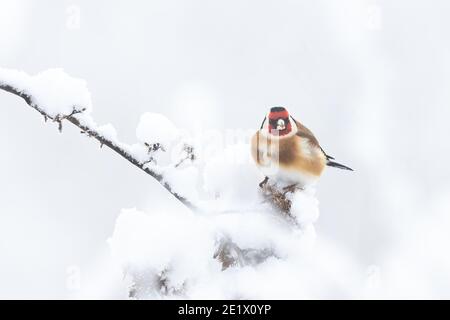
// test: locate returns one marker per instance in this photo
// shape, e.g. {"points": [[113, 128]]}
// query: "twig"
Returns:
{"points": [[190, 155]]}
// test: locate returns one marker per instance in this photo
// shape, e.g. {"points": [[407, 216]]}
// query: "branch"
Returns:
{"points": [[92, 132], [279, 199]]}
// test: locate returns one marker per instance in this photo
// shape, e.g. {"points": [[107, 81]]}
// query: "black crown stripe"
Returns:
{"points": [[277, 109]]}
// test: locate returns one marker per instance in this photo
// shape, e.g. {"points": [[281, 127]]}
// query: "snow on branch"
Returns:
{"points": [[58, 97]]}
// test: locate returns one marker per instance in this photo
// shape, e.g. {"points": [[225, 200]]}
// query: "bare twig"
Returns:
{"points": [[190, 155], [92, 132]]}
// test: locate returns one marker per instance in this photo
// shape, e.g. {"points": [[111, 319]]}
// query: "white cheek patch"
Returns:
{"points": [[265, 130]]}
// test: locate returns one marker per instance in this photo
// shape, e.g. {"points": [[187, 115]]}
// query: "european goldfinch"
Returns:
{"points": [[287, 151]]}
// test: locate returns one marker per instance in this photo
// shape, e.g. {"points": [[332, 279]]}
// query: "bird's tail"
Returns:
{"points": [[338, 165]]}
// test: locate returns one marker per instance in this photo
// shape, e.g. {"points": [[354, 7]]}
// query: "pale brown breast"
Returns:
{"points": [[293, 153]]}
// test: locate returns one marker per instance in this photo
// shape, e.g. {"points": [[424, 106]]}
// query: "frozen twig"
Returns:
{"points": [[189, 155]]}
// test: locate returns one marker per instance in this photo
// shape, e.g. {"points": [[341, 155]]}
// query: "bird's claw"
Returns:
{"points": [[263, 183]]}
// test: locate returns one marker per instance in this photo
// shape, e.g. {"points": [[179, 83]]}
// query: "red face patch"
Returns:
{"points": [[278, 114], [279, 123]]}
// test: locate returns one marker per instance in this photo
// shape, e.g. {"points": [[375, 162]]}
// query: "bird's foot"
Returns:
{"points": [[292, 188], [263, 183]]}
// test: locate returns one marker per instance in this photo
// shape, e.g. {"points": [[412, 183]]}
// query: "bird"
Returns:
{"points": [[285, 150]]}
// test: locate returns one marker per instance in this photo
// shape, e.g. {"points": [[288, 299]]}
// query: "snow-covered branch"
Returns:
{"points": [[58, 97]]}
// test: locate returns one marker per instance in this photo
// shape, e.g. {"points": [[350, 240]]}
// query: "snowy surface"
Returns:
{"points": [[108, 131], [55, 91], [155, 128], [305, 206], [180, 249], [230, 177], [184, 181]]}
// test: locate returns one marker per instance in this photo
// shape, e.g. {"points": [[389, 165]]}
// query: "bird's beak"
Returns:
{"points": [[281, 125]]}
